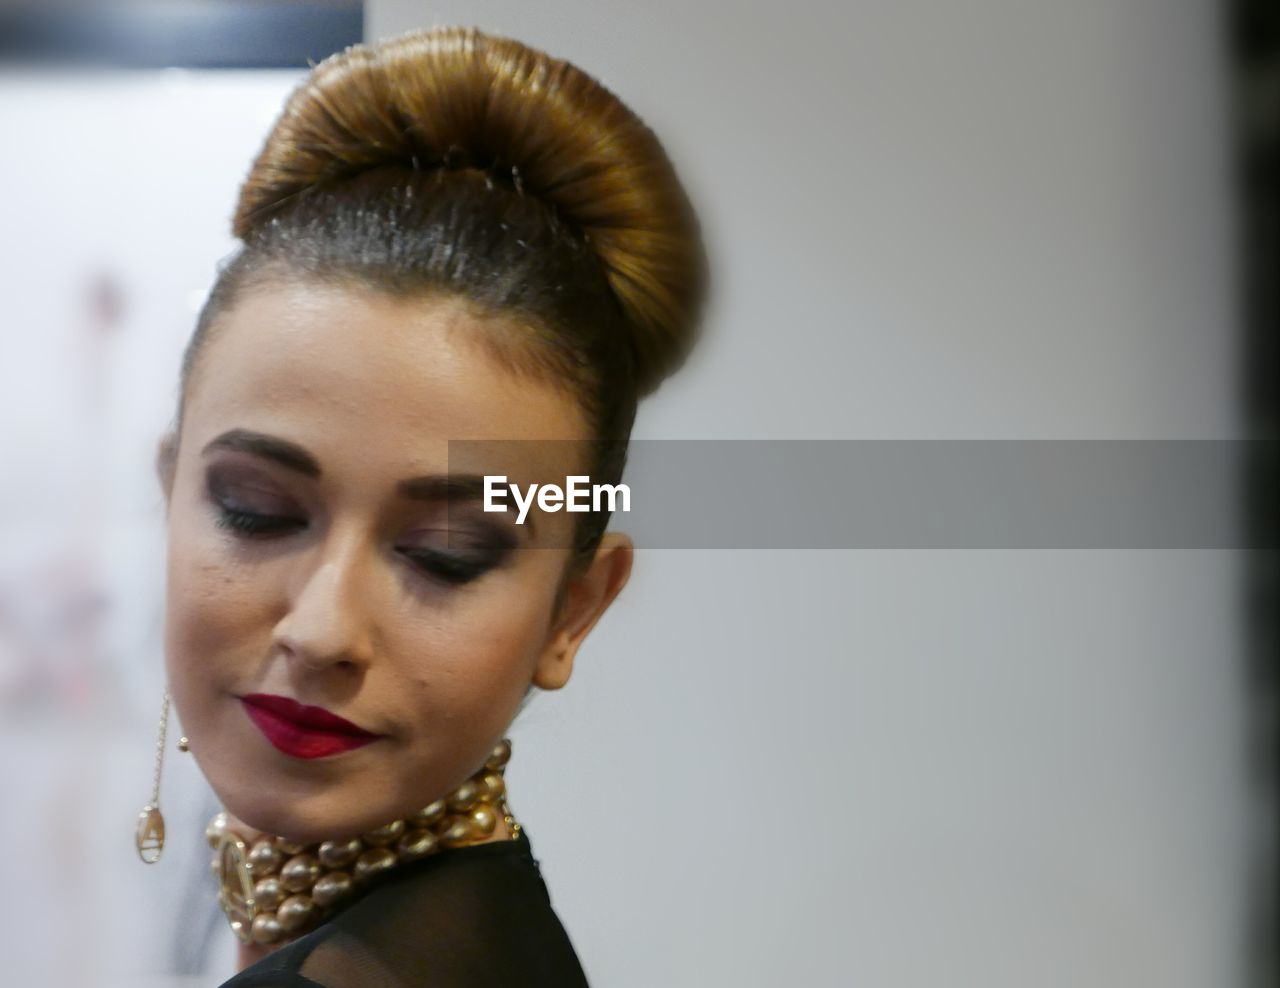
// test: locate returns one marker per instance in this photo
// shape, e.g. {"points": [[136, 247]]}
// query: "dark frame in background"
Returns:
{"points": [[195, 34], [1255, 61]]}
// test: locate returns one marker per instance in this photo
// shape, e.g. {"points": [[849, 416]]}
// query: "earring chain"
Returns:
{"points": [[164, 724]]}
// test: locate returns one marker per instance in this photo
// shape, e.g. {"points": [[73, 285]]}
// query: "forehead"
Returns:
{"points": [[360, 375]]}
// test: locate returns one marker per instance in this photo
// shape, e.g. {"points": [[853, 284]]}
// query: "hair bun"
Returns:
{"points": [[455, 96]]}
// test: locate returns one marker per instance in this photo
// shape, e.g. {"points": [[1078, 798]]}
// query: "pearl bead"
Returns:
{"points": [[290, 847], [268, 893], [465, 796], [500, 755], [295, 912], [429, 815], [266, 928], [300, 872], [387, 834], [485, 820], [217, 827], [494, 785], [459, 832], [339, 853], [374, 861], [264, 857], [332, 887], [417, 844]]}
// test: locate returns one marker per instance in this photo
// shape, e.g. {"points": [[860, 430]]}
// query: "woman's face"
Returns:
{"points": [[302, 565]]}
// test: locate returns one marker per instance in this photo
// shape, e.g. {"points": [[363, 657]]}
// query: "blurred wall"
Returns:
{"points": [[984, 220], [935, 220]]}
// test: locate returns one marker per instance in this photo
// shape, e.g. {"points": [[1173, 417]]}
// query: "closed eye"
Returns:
{"points": [[253, 523], [222, 485], [450, 568]]}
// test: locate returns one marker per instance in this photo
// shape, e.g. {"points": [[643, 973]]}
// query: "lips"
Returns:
{"points": [[303, 731]]}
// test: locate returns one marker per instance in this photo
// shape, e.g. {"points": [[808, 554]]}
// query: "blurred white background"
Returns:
{"points": [[934, 221]]}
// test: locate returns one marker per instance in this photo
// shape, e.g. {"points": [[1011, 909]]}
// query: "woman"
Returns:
{"points": [[447, 237]]}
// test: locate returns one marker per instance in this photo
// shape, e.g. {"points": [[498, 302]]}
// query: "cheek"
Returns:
{"points": [[481, 657], [213, 609]]}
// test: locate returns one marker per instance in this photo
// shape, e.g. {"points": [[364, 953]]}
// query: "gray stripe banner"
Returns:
{"points": [[913, 494]]}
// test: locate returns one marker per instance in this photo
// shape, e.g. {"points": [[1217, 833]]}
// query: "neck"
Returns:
{"points": [[250, 953], [274, 890]]}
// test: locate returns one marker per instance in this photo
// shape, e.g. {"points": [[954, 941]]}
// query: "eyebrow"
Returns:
{"points": [[430, 488], [282, 451]]}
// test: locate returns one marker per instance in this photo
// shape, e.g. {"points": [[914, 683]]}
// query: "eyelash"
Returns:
{"points": [[451, 569], [252, 523], [454, 570]]}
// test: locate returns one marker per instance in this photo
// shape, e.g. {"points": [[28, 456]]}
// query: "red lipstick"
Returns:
{"points": [[303, 731]]}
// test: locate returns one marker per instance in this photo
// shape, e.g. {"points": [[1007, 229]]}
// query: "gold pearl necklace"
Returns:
{"points": [[275, 889]]}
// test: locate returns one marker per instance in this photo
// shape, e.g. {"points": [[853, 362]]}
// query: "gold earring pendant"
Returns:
{"points": [[150, 834]]}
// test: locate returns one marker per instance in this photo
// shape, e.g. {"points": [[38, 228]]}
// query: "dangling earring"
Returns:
{"points": [[150, 835]]}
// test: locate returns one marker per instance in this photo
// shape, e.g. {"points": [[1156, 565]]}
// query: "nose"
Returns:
{"points": [[327, 624]]}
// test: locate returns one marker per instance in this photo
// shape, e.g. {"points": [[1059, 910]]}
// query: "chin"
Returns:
{"points": [[303, 821], [307, 803]]}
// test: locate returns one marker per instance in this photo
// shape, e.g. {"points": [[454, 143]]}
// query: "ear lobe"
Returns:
{"points": [[587, 596], [166, 461]]}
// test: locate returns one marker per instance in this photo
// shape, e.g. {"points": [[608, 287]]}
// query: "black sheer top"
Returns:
{"points": [[469, 916]]}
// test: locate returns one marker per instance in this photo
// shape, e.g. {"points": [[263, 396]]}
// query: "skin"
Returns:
{"points": [[331, 610]]}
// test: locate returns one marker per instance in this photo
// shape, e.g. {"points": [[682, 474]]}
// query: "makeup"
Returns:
{"points": [[303, 731]]}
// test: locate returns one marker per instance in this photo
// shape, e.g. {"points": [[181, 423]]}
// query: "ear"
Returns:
{"points": [[166, 462], [586, 597]]}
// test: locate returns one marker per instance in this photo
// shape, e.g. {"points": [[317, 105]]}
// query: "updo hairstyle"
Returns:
{"points": [[448, 162]]}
